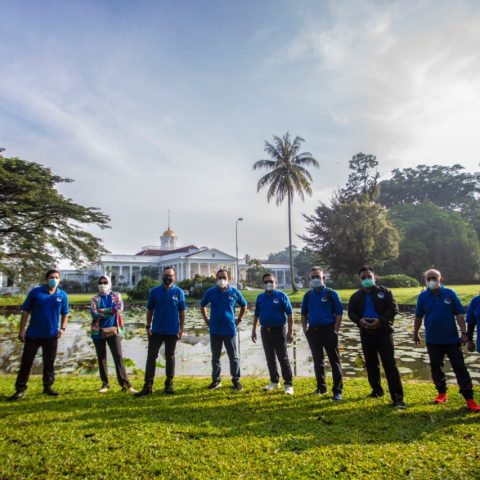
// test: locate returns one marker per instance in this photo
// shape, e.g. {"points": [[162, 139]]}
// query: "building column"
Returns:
{"points": [[189, 272], [130, 276], [208, 269], [199, 268]]}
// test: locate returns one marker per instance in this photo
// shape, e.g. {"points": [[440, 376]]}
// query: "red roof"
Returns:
{"points": [[157, 252]]}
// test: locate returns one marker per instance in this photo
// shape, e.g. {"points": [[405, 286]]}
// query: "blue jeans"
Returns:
{"points": [[230, 342]]}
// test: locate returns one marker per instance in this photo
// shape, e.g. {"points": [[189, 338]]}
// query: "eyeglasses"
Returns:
{"points": [[103, 282], [315, 276], [222, 278], [268, 282], [364, 277], [431, 278]]}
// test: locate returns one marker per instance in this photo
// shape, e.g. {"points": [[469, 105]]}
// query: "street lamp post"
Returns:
{"points": [[236, 249]]}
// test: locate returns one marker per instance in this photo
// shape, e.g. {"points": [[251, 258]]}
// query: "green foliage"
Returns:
{"points": [[288, 175], [348, 235], [83, 434], [304, 260], [141, 290], [39, 226], [197, 285], [433, 237], [397, 281], [152, 272], [71, 286], [254, 275], [283, 256]]}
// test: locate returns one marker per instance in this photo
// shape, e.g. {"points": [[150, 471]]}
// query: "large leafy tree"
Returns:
{"points": [[435, 237], [38, 225], [348, 235], [287, 176]]}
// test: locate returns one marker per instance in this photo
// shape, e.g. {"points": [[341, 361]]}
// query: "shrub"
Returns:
{"points": [[141, 290], [397, 281]]}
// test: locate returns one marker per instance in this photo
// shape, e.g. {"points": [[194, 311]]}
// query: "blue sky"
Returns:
{"points": [[156, 105]]}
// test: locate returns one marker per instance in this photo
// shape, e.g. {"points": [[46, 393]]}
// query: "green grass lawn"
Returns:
{"points": [[402, 295], [200, 434]]}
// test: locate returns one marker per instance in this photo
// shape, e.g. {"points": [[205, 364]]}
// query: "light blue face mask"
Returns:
{"points": [[316, 283], [368, 282], [52, 282]]}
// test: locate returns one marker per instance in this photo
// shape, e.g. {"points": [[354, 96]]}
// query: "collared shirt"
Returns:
{"points": [[222, 309], [369, 309], [45, 310], [166, 305], [318, 309], [439, 310], [272, 308], [473, 316]]}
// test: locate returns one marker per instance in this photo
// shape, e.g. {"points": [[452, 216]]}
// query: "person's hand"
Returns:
{"points": [[289, 337], [254, 336], [304, 329], [375, 324], [463, 338], [237, 321], [180, 334], [416, 339], [21, 335], [471, 346], [149, 331], [60, 333], [364, 324]]}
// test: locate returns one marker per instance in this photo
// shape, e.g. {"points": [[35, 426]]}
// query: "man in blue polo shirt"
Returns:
{"points": [[223, 326], [165, 324], [473, 320], [47, 307], [321, 320], [441, 308], [273, 308]]}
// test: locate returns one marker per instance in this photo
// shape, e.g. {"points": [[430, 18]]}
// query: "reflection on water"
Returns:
{"points": [[76, 352]]}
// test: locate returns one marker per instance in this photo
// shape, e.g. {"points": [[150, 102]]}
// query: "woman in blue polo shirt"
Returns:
{"points": [[107, 328]]}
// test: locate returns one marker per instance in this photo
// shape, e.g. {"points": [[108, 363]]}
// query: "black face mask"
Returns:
{"points": [[167, 280]]}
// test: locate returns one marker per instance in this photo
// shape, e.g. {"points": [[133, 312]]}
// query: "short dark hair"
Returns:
{"points": [[222, 270], [168, 267], [50, 272], [268, 274], [365, 268], [315, 267]]}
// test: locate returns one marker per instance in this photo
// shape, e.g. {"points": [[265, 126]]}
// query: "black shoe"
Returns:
{"points": [[169, 389], [51, 393], [400, 405], [237, 386], [143, 392], [16, 396], [375, 395], [214, 385], [319, 391]]}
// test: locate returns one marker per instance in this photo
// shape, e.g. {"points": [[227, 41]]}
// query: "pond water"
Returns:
{"points": [[76, 352]]}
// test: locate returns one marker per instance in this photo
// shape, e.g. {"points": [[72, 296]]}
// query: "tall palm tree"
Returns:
{"points": [[287, 176]]}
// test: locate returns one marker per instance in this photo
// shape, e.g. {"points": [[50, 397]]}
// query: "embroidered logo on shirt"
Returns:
{"points": [[276, 300], [231, 297], [381, 295], [448, 301], [175, 297], [324, 299], [59, 299]]}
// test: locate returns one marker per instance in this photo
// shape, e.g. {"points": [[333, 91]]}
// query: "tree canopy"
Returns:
{"points": [[38, 225]]}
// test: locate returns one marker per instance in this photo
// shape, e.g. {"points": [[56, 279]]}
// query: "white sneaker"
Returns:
{"points": [[288, 389], [129, 390], [271, 386], [104, 389]]}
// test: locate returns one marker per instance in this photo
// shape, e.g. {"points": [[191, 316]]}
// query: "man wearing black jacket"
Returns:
{"points": [[372, 309]]}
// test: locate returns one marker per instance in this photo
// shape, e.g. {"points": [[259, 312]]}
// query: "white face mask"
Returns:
{"points": [[432, 284], [269, 287], [222, 282], [316, 283], [102, 288]]}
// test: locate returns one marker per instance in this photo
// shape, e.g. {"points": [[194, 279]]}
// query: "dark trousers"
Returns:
{"points": [[381, 345], [30, 349], [455, 355], [115, 345], [230, 342], [274, 341], [320, 339], [155, 341]]}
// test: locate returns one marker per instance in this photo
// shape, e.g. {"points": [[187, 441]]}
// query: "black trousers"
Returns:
{"points": [[325, 338], [274, 341], [381, 345], [30, 349], [115, 345], [455, 355], [155, 341]]}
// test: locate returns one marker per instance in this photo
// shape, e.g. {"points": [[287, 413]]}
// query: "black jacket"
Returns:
{"points": [[384, 303]]}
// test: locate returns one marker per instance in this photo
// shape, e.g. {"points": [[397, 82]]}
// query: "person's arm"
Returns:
{"points": [[240, 314], [290, 328], [148, 324], [181, 316], [304, 314], [254, 329], [352, 313], [470, 331], [392, 309], [338, 323], [338, 310], [23, 326], [203, 311], [63, 325], [416, 327], [304, 323], [463, 329]]}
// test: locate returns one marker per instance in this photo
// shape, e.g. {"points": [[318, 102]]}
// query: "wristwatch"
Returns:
{"points": [[62, 328], [148, 327]]}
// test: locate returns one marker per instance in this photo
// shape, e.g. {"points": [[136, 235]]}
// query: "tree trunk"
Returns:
{"points": [[292, 277]]}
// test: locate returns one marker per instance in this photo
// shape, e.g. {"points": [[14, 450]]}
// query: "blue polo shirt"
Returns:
{"points": [[45, 311], [222, 309], [318, 309], [439, 312], [473, 316], [272, 308], [369, 308], [166, 303]]}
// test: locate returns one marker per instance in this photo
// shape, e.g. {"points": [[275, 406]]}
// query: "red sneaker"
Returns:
{"points": [[471, 405], [441, 398]]}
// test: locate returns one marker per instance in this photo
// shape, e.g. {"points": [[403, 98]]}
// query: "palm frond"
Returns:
{"points": [[267, 164]]}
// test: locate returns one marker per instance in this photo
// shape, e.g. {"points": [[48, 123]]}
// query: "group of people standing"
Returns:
{"points": [[372, 308]]}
